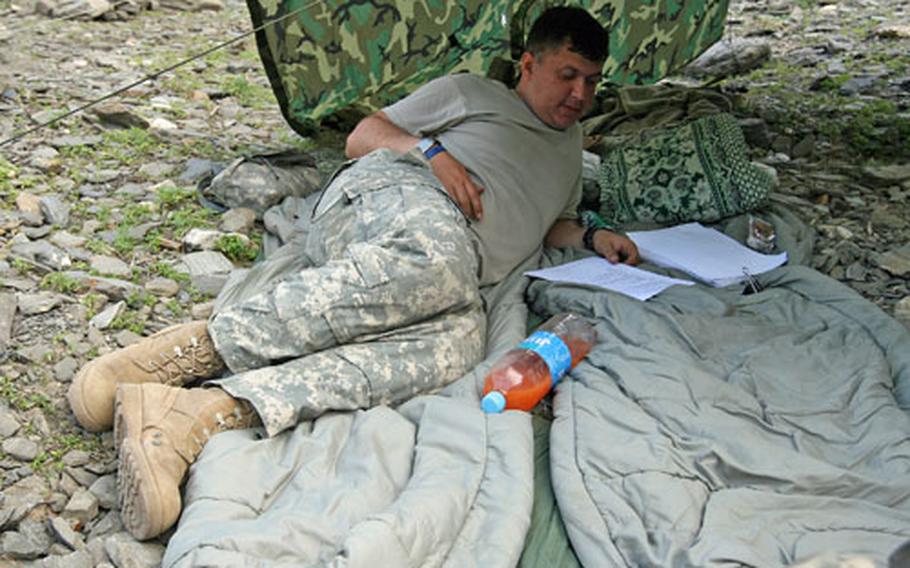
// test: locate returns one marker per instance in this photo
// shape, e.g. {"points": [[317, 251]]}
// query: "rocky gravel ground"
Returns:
{"points": [[103, 240]]}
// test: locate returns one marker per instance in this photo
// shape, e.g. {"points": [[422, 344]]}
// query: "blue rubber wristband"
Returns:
{"points": [[435, 149]]}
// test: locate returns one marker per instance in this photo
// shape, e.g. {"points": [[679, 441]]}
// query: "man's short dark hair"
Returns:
{"points": [[562, 24]]}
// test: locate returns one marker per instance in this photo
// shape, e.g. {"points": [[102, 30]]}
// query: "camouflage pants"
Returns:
{"points": [[379, 302]]}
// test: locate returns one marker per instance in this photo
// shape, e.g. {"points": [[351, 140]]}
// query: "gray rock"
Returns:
{"points": [[105, 489], [805, 56], [77, 559], [82, 506], [91, 226], [65, 369], [730, 57], [45, 158], [21, 449], [110, 266], [43, 253], [201, 239], [881, 176], [66, 240], [38, 421], [835, 67], [202, 311], [856, 271], [838, 44], [103, 176], [56, 210], [859, 84], [9, 425], [896, 261], [63, 530], [208, 270], [886, 217], [57, 549], [126, 552], [95, 546], [76, 458], [804, 148], [782, 144], [58, 502], [196, 168], [113, 288], [11, 516], [82, 476], [755, 130], [132, 190], [902, 311], [70, 141], [36, 354], [161, 286], [109, 523], [156, 170], [37, 233], [38, 303], [20, 284], [140, 231], [125, 338], [67, 484], [107, 316], [120, 115], [893, 30], [29, 207], [103, 467], [8, 304], [238, 220], [29, 542]]}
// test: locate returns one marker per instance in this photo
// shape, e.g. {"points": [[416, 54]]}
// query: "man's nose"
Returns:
{"points": [[579, 88]]}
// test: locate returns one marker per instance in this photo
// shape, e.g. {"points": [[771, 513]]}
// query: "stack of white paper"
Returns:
{"points": [[706, 254], [596, 271]]}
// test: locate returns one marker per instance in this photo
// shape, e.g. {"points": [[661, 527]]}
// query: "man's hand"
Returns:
{"points": [[458, 184], [615, 247], [612, 246]]}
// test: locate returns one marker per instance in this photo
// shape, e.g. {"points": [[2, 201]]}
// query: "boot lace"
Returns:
{"points": [[192, 360], [239, 417]]}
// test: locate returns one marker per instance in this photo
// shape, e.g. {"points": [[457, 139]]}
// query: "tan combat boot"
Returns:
{"points": [[173, 356], [159, 431]]}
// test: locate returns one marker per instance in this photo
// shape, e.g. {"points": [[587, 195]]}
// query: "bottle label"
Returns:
{"points": [[552, 349]]}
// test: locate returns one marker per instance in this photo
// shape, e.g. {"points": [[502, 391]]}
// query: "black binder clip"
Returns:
{"points": [[752, 284]]}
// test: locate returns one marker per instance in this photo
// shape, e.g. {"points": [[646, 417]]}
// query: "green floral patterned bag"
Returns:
{"points": [[699, 171]]}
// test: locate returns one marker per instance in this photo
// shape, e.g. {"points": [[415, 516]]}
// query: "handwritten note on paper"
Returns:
{"points": [[595, 271]]}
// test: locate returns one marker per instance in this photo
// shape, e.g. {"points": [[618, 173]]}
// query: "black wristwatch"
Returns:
{"points": [[588, 238]]}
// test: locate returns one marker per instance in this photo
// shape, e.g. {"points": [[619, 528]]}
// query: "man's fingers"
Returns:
{"points": [[621, 249], [628, 252], [476, 203], [458, 184], [465, 202]]}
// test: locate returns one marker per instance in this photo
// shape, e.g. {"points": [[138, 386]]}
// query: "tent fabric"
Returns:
{"points": [[327, 55]]}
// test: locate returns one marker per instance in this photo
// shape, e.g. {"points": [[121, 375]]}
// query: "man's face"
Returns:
{"points": [[558, 85]]}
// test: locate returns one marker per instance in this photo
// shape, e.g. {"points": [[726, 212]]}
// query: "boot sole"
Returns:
{"points": [[139, 494]]}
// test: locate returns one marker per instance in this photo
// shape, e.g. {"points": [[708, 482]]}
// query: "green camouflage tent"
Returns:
{"points": [[325, 55]]}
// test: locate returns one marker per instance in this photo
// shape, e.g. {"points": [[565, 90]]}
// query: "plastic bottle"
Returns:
{"points": [[525, 374]]}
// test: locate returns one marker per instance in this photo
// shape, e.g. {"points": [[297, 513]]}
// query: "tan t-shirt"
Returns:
{"points": [[530, 172]]}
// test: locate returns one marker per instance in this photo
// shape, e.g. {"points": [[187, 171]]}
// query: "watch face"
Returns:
{"points": [[425, 143]]}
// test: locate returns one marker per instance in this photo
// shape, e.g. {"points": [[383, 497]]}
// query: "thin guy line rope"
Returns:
{"points": [[152, 76]]}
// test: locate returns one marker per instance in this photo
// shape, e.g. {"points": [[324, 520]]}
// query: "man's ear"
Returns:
{"points": [[526, 64]]}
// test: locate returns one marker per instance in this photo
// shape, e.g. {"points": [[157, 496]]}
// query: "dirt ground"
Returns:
{"points": [[833, 104]]}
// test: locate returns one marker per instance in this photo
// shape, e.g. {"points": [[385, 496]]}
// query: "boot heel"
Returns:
{"points": [[129, 396]]}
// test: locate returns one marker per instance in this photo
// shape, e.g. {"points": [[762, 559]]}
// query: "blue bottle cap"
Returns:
{"points": [[493, 402]]}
